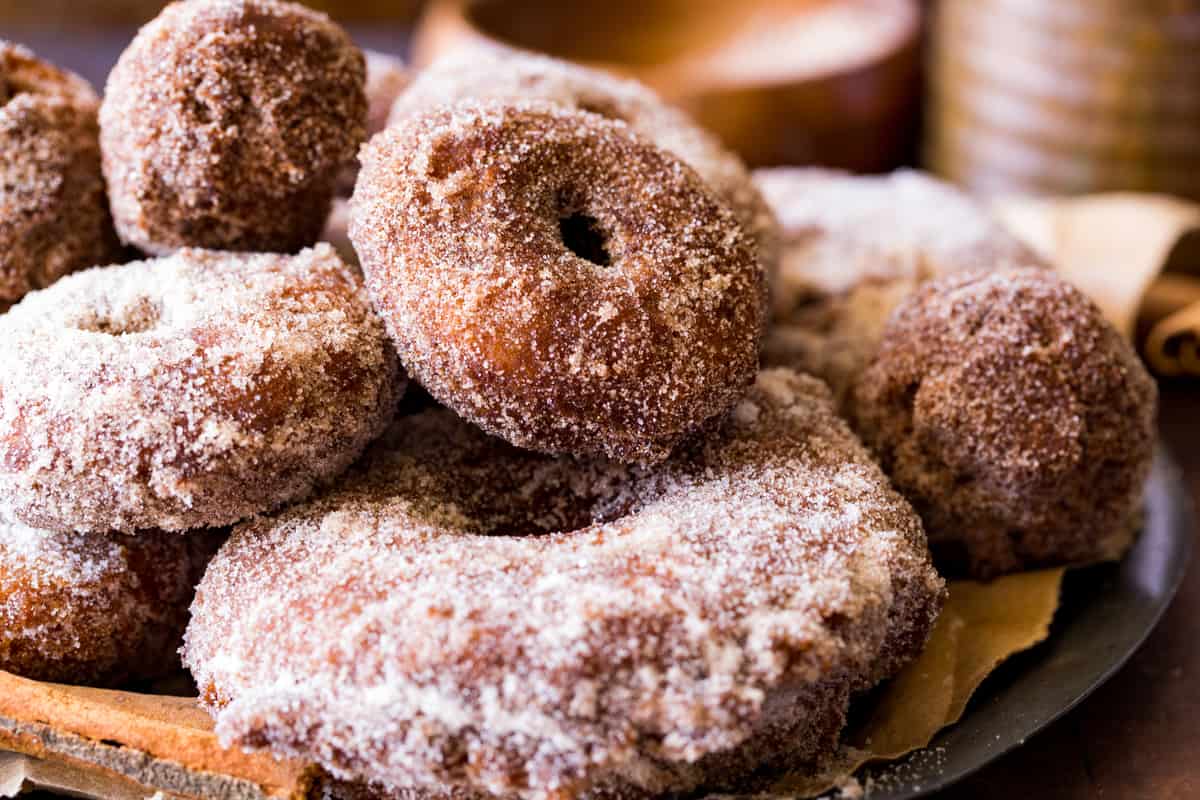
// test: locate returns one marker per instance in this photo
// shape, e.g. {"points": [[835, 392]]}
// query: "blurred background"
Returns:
{"points": [[1003, 97]]}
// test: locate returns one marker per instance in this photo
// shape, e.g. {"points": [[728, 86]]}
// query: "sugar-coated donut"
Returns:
{"points": [[840, 230], [1015, 418], [513, 76], [853, 247], [188, 391], [96, 609], [226, 124], [463, 615], [53, 209], [556, 278]]}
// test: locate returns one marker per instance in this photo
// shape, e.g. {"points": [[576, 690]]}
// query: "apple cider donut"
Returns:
{"points": [[226, 124], [53, 209], [556, 278], [501, 74], [466, 615], [1017, 420], [189, 391], [856, 246], [96, 609]]}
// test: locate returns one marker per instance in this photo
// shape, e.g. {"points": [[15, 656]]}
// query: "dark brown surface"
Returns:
{"points": [[1138, 736]]}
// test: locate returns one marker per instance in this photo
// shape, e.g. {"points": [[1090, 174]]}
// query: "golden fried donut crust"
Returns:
{"points": [[460, 613], [226, 123], [464, 218], [96, 609], [189, 391], [1016, 419], [55, 212], [512, 76]]}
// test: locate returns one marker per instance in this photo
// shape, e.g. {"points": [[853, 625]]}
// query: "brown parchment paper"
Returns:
{"points": [[981, 626]]}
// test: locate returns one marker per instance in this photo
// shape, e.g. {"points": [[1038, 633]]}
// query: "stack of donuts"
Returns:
{"points": [[598, 549]]}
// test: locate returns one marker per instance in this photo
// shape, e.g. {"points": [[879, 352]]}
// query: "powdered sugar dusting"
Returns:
{"points": [[187, 392], [463, 614]]}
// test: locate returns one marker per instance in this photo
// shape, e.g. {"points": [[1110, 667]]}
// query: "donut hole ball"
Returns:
{"points": [[96, 609], [557, 279], [55, 216], [226, 125], [500, 74], [1014, 417]]}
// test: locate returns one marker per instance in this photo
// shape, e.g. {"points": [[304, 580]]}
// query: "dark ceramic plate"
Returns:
{"points": [[1106, 613]]}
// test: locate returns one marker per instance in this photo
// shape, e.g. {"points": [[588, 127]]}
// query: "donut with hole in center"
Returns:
{"points": [[189, 391], [557, 279], [460, 614]]}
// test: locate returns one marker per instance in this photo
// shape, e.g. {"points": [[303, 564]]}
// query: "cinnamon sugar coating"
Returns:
{"points": [[512, 76], [53, 209], [96, 609], [1017, 420], [226, 124], [853, 247], [189, 391], [557, 279], [462, 616]]}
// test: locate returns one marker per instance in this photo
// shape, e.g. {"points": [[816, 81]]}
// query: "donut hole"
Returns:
{"points": [[533, 495], [582, 235], [543, 496], [139, 316], [602, 107]]}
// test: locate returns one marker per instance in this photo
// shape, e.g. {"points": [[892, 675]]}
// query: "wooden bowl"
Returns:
{"points": [[831, 82]]}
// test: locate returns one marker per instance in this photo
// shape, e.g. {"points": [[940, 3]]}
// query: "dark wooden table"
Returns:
{"points": [[1137, 738]]}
